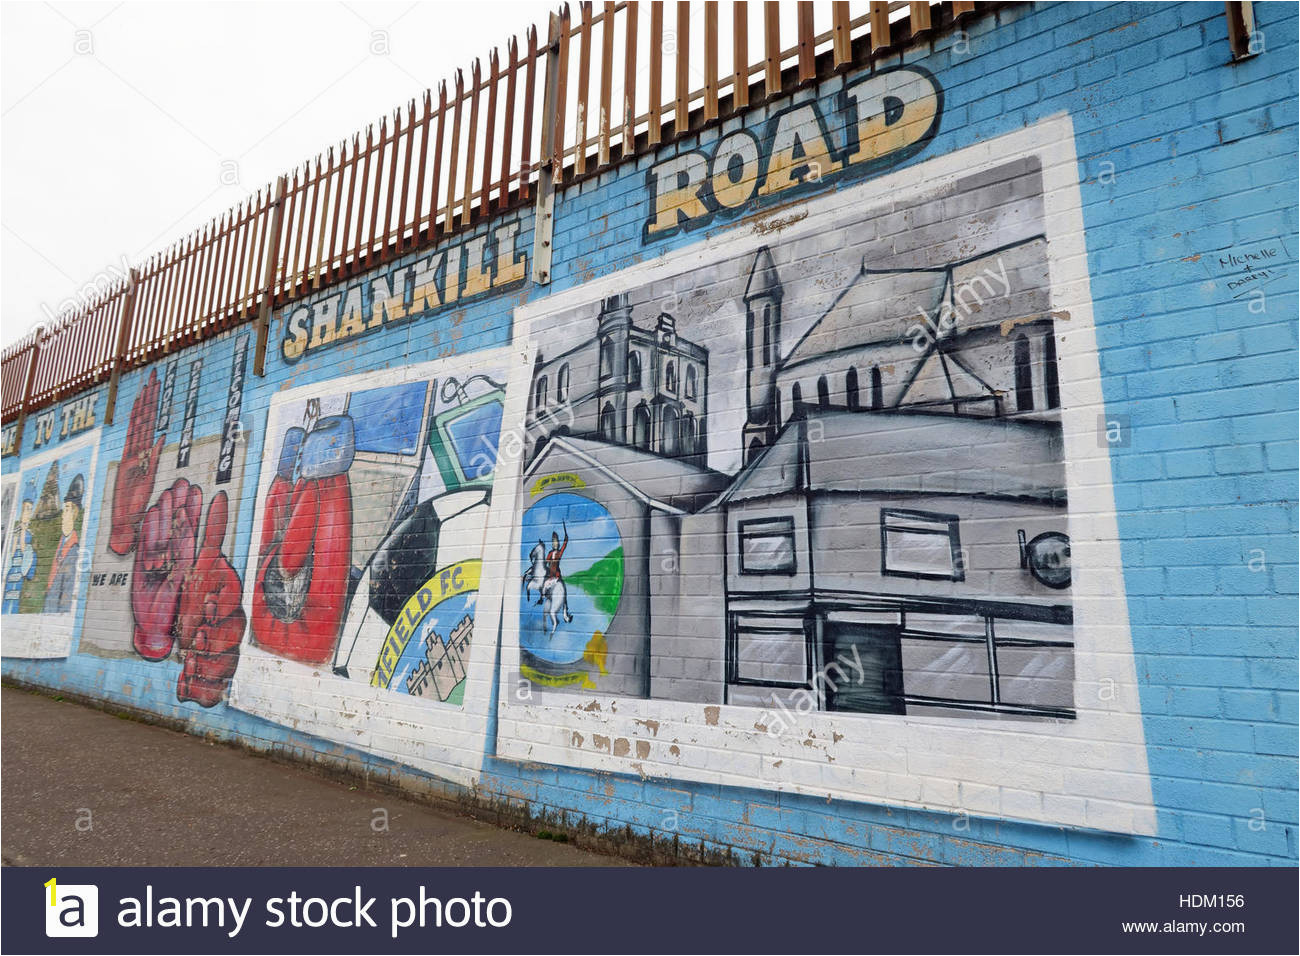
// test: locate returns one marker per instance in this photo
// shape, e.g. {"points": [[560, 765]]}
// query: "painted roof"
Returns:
{"points": [[908, 452], [763, 279], [663, 482], [875, 307]]}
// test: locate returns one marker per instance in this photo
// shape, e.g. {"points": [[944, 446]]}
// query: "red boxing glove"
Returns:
{"points": [[168, 535], [300, 593], [210, 622]]}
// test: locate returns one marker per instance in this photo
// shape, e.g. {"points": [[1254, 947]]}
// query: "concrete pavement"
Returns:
{"points": [[84, 788]]}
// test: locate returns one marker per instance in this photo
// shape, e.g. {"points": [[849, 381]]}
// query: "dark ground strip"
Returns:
{"points": [[160, 798]]}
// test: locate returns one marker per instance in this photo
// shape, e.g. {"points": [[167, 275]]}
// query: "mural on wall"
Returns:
{"points": [[848, 463], [9, 440], [876, 121], [369, 547], [876, 489], [162, 586], [44, 550], [8, 488], [41, 573], [61, 422], [486, 262], [572, 587]]}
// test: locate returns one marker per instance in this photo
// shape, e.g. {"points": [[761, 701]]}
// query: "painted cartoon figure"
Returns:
{"points": [[22, 560], [545, 575], [62, 583]]}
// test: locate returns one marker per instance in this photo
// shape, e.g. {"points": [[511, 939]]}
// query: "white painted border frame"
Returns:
{"points": [[1090, 772], [49, 636], [376, 720]]}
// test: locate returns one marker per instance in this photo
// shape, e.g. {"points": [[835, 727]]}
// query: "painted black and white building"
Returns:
{"points": [[644, 387], [975, 337], [897, 495]]}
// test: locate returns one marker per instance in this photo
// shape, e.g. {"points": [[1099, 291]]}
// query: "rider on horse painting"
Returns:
{"points": [[544, 574], [553, 560]]}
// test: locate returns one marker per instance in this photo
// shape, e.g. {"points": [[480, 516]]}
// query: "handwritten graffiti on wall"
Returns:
{"points": [[877, 488], [368, 559], [44, 551], [162, 586]]}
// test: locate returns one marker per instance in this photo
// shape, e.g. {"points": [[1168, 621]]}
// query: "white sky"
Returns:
{"points": [[125, 125]]}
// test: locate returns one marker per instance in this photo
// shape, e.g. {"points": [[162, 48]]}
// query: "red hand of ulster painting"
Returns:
{"points": [[136, 471], [210, 621], [300, 594], [168, 534]]}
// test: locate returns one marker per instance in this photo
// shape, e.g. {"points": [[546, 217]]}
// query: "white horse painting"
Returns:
{"points": [[550, 592]]}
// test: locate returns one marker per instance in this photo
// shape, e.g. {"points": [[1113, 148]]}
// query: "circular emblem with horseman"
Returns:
{"points": [[572, 581]]}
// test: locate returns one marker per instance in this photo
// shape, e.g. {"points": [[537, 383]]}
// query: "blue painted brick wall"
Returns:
{"points": [[1181, 155]]}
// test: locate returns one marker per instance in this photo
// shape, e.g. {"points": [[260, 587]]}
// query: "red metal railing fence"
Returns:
{"points": [[525, 124]]}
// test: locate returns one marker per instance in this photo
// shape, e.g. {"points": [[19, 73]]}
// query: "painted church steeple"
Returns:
{"points": [[762, 297]]}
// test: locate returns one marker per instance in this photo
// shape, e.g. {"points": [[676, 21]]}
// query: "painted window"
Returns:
{"points": [[771, 655], [670, 377], [1051, 375], [1024, 376], [851, 389], [691, 385], [539, 392], [823, 391], [877, 389], [562, 383], [688, 434], [767, 335], [608, 428], [634, 369], [606, 359], [767, 546], [668, 440], [920, 544], [641, 426]]}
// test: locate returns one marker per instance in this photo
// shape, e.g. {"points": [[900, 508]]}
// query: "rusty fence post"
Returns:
{"points": [[268, 276], [544, 208], [123, 336], [32, 352], [1241, 29]]}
